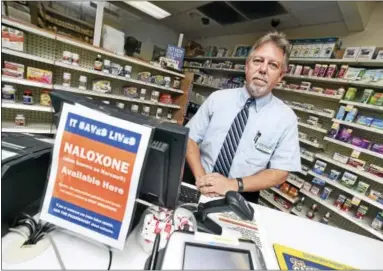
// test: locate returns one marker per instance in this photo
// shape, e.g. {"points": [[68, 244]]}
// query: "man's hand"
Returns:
{"points": [[216, 183]]}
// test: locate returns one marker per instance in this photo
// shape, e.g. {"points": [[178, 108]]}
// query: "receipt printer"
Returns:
{"points": [[186, 250], [25, 162]]}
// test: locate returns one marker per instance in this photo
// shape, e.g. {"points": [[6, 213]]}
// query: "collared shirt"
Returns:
{"points": [[277, 147]]}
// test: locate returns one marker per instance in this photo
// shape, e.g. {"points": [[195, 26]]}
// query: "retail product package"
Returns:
{"points": [[357, 163], [101, 86], [329, 47], [316, 69], [348, 179], [12, 38], [376, 195], [331, 71], [367, 94], [113, 40], [377, 123], [376, 147], [361, 212], [345, 134], [144, 76], [351, 115], [342, 71], [340, 158], [376, 170], [316, 48], [341, 112], [298, 70], [334, 175], [315, 190], [352, 73], [291, 69], [334, 131], [17, 67], [322, 71], [330, 91], [364, 120], [347, 204], [362, 187], [325, 193], [285, 187], [340, 200], [366, 52], [359, 142], [319, 167], [317, 89], [307, 186], [350, 94], [377, 99], [306, 70], [39, 75], [318, 181], [377, 223], [351, 52]]}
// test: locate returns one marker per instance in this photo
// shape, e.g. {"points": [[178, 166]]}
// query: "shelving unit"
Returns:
{"points": [[359, 126], [312, 144], [270, 200], [279, 192], [311, 93], [297, 108], [312, 127], [43, 49], [362, 105]]}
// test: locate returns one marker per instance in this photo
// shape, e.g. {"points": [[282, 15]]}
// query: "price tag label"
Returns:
{"points": [[355, 201]]}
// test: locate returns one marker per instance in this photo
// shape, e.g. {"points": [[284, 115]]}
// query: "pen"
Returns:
{"points": [[257, 137], [153, 258]]}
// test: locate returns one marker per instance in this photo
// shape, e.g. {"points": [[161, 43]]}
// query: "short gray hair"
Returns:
{"points": [[279, 39]]}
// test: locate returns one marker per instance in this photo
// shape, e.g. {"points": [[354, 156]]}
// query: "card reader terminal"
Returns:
{"points": [[186, 251]]}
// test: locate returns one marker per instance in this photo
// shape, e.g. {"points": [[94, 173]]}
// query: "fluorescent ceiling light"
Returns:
{"points": [[149, 9]]}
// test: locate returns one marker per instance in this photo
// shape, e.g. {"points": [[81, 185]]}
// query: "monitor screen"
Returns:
{"points": [[203, 257]]}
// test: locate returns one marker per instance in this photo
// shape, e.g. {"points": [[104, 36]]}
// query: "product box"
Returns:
{"points": [[319, 167], [316, 49], [328, 48], [341, 112], [377, 123], [298, 70], [357, 163], [366, 52], [313, 118], [352, 73], [362, 187], [364, 120], [307, 186], [315, 190], [334, 175], [12, 38], [376, 170], [14, 66], [318, 181], [342, 71], [316, 69], [355, 201], [296, 50], [348, 179], [334, 131], [331, 71], [325, 193], [351, 52], [351, 115], [322, 71], [39, 75], [291, 69], [340, 200], [345, 134], [367, 94], [362, 143], [376, 195], [377, 147], [330, 91], [306, 70]]}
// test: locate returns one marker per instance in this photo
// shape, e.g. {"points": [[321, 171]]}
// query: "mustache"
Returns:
{"points": [[260, 77]]}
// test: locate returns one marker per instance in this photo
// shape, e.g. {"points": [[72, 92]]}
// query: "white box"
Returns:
{"points": [[351, 52], [366, 52]]}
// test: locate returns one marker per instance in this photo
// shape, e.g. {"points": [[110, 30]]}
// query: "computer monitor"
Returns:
{"points": [[163, 168]]}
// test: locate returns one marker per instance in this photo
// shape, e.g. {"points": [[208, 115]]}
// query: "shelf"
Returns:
{"points": [[347, 190], [303, 173], [205, 86], [362, 105], [307, 158], [24, 82], [359, 126], [113, 96], [312, 127], [300, 214], [334, 81], [271, 200], [33, 107], [347, 216], [351, 168], [311, 112], [311, 93], [283, 195], [26, 56], [84, 23], [223, 58], [28, 28], [111, 54], [295, 183], [348, 145], [215, 69], [130, 80], [41, 128], [308, 142], [354, 62]]}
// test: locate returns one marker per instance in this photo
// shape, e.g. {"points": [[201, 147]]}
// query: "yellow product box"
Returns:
{"points": [[39, 75]]}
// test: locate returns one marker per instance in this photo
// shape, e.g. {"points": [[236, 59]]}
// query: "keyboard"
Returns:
{"points": [[189, 194]]}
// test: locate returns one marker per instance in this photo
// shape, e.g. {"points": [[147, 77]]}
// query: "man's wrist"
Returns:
{"points": [[234, 185]]}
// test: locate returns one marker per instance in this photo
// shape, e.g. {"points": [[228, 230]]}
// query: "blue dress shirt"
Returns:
{"points": [[270, 139]]}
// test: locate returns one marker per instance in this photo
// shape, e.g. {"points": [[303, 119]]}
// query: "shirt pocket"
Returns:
{"points": [[259, 153]]}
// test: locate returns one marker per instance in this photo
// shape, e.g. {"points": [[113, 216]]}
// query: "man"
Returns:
{"points": [[246, 139]]}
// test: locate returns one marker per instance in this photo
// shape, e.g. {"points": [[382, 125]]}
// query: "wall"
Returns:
{"points": [[371, 36]]}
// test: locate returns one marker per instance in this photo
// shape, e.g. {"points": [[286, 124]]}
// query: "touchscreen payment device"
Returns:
{"points": [[186, 251]]}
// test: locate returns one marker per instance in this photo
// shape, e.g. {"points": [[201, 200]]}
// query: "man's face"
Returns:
{"points": [[264, 69]]}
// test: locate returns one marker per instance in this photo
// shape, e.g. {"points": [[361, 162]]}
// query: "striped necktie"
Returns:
{"points": [[233, 137]]}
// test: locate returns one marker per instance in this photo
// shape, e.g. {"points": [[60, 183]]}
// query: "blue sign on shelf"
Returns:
{"points": [[177, 54]]}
